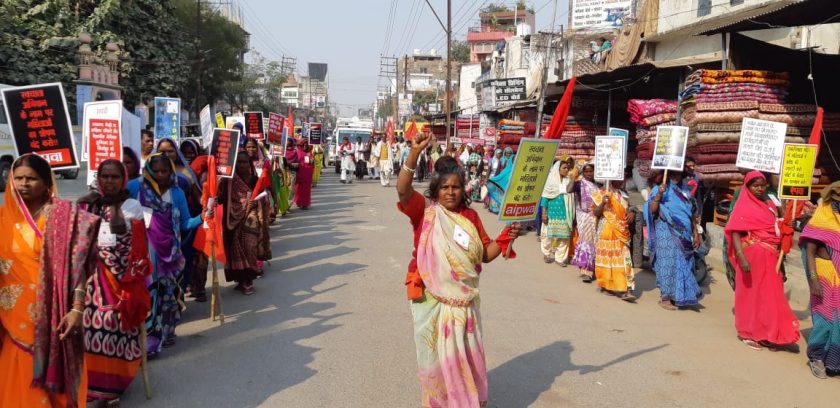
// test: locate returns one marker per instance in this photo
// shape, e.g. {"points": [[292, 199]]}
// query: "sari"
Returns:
{"points": [[445, 310], [170, 221], [671, 244], [318, 153], [613, 264], [584, 257], [244, 239], [303, 182], [824, 228], [762, 312], [42, 260], [278, 182], [559, 204], [117, 300]]}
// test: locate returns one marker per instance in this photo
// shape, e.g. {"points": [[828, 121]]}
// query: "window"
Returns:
{"points": [[424, 70], [704, 7]]}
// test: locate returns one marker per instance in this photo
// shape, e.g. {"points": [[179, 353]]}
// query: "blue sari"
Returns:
{"points": [[671, 244], [496, 187]]}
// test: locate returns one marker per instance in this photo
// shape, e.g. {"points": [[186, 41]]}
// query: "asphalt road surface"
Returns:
{"points": [[329, 326]]}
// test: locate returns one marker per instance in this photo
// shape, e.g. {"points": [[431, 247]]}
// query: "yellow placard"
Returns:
{"points": [[797, 170], [530, 171], [220, 120]]}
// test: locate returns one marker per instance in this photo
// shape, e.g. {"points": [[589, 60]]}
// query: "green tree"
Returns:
{"points": [[460, 51], [257, 87]]}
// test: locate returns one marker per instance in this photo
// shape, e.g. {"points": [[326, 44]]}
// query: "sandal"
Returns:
{"points": [[548, 259], [239, 286], [628, 297], [752, 344], [248, 290], [667, 305], [818, 369], [587, 279]]}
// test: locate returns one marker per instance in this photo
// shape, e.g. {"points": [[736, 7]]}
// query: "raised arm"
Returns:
{"points": [[404, 188]]}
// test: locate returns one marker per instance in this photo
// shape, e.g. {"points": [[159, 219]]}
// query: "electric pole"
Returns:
{"points": [[198, 59], [449, 72], [544, 80], [388, 69]]}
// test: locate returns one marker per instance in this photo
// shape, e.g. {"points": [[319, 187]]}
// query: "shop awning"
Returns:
{"points": [[713, 23], [801, 13], [631, 74]]}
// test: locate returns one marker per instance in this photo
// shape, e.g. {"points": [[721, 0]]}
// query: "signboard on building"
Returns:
{"points": [[167, 118], [599, 13], [40, 123], [405, 104], [762, 145], [101, 130], [508, 90]]}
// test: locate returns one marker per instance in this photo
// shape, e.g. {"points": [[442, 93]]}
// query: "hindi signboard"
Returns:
{"points": [[610, 159], [40, 123], [224, 148], [315, 132], [669, 150], [599, 13], [761, 146], [206, 121], [254, 125], [797, 171], [167, 118], [530, 170], [102, 134], [508, 90], [275, 128]]}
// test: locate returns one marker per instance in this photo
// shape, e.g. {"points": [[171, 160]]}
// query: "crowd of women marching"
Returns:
{"points": [[88, 288]]}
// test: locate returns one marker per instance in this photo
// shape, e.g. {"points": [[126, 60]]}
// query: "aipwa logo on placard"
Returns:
{"points": [[520, 210]]}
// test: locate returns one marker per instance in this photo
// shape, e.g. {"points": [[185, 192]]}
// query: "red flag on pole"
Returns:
{"points": [[264, 181], [411, 131], [816, 132], [558, 121], [212, 234], [290, 123], [389, 131]]}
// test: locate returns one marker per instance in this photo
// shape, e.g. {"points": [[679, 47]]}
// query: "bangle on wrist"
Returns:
{"points": [[76, 310], [408, 169]]}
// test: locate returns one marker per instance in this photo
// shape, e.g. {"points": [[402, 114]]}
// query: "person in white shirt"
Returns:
{"points": [[361, 165], [465, 155], [384, 153], [347, 152]]}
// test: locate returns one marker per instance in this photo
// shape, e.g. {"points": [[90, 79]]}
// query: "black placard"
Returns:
{"points": [[225, 148], [315, 132], [40, 123], [254, 125]]}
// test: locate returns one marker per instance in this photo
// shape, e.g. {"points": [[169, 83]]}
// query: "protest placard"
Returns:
{"points": [[797, 171], [206, 121], [220, 120], [102, 133], [761, 146], [315, 132], [530, 170], [40, 123], [610, 160], [167, 118], [254, 125], [224, 148], [669, 150], [275, 128]]}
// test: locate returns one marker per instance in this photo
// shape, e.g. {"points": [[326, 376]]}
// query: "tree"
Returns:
{"points": [[258, 86], [460, 51]]}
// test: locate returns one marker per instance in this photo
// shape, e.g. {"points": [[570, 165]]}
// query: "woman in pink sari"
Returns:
{"points": [[442, 282], [762, 315], [303, 183]]}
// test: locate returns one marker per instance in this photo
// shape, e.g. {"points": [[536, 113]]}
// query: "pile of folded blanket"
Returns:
{"points": [[509, 133], [578, 139], [467, 127], [647, 115]]}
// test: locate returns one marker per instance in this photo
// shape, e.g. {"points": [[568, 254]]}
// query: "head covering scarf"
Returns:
{"points": [[162, 231], [97, 199], [555, 184], [127, 151], [194, 145], [824, 227], [182, 166], [507, 160], [751, 213]]}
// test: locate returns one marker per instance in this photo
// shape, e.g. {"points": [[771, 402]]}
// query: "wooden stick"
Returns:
{"points": [[781, 253], [144, 363], [215, 298]]}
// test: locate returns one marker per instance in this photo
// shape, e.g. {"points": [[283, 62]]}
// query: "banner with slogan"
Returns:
{"points": [[220, 120], [610, 153], [530, 170], [167, 118], [275, 133], [102, 134], [669, 150], [206, 121], [761, 146], [315, 133], [225, 148], [40, 123], [797, 171], [254, 125]]}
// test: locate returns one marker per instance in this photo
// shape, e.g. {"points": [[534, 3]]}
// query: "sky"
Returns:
{"points": [[351, 35]]}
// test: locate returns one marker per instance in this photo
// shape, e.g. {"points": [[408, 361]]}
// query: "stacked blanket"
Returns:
{"points": [[647, 115], [466, 126], [510, 132], [578, 139]]}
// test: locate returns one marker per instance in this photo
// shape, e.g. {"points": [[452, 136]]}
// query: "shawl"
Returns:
{"points": [[95, 201], [505, 159], [163, 233], [127, 151], [676, 210], [753, 215], [556, 184], [236, 205], [182, 166], [447, 254], [824, 227], [615, 214], [587, 188]]}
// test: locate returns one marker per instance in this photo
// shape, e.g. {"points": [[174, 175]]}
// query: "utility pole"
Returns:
{"points": [[198, 58], [388, 69], [544, 80], [449, 72]]}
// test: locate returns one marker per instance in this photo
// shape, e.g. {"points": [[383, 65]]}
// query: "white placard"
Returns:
{"points": [[762, 145], [102, 133], [206, 120], [610, 157]]}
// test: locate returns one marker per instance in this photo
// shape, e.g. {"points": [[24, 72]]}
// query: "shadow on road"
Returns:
{"points": [[519, 382]]}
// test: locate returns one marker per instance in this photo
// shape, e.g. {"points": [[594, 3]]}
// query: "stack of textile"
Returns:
{"points": [[647, 115], [467, 127], [578, 139], [510, 132], [715, 103]]}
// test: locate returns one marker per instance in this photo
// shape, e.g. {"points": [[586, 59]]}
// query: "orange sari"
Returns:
{"points": [[20, 253], [613, 265]]}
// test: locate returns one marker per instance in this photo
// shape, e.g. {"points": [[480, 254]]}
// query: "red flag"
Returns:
{"points": [[558, 121], [389, 131], [212, 235], [290, 123], [816, 132], [264, 181], [411, 131]]}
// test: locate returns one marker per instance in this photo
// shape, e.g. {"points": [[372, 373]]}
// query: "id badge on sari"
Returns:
{"points": [[306, 159], [259, 171], [106, 238], [147, 216], [461, 237]]}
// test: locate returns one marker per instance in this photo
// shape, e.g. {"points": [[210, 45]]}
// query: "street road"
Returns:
{"points": [[329, 326]]}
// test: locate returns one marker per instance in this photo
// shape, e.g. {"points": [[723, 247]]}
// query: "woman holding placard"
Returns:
{"points": [[613, 264], [762, 315], [673, 237]]}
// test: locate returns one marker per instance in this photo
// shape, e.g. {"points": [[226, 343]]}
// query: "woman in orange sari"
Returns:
{"points": [[44, 257], [613, 265]]}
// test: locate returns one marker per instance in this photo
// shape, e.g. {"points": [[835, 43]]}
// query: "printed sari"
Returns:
{"points": [[613, 264], [824, 340], [243, 230], [671, 244], [584, 257], [42, 260]]}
